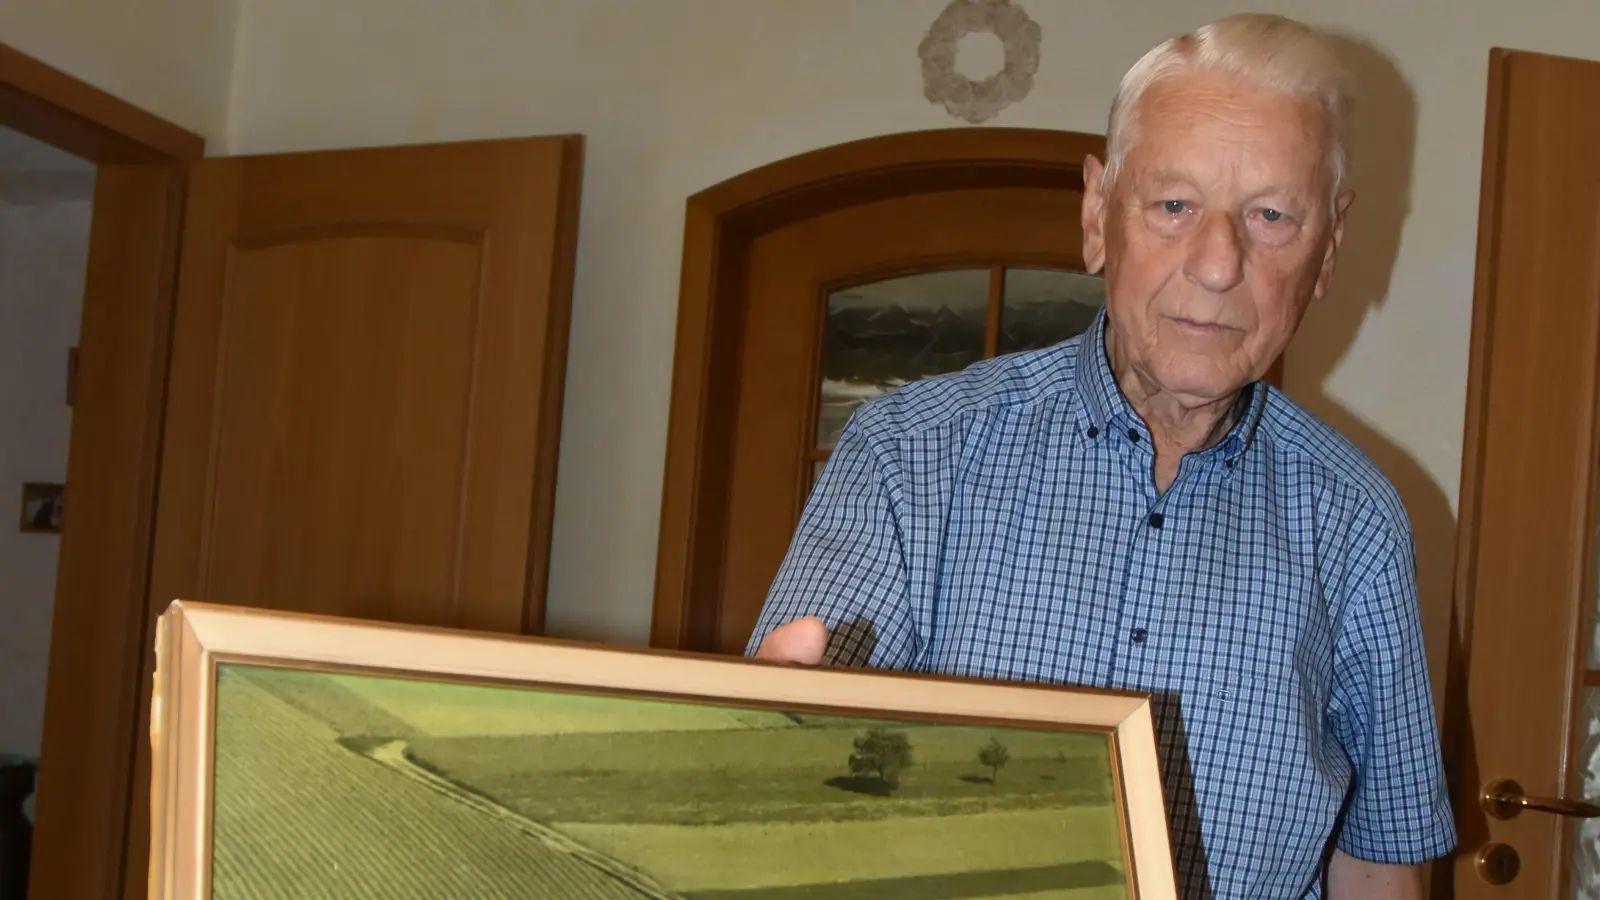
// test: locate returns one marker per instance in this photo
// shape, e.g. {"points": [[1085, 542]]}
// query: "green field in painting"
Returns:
{"points": [[1049, 847], [777, 775], [298, 815], [709, 803]]}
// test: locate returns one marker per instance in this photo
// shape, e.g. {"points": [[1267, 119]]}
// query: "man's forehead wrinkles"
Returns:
{"points": [[1227, 166], [1232, 179]]}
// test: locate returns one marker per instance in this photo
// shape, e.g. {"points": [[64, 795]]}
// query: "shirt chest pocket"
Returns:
{"points": [[1266, 637], [1026, 597]]}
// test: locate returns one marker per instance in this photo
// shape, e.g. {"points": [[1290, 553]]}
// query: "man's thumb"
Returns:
{"points": [[801, 641]]}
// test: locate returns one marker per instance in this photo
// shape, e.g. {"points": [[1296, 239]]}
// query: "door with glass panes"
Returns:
{"points": [[1526, 722], [854, 303]]}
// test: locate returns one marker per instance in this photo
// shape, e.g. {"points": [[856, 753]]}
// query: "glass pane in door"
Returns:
{"points": [[1047, 306], [881, 335], [1586, 832], [1594, 616], [1586, 760]]}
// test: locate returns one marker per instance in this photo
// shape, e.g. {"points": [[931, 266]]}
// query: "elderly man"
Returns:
{"points": [[1135, 508]]}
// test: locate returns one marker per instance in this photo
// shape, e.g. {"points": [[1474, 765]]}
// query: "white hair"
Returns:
{"points": [[1268, 51]]}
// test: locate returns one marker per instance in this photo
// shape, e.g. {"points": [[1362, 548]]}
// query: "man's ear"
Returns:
{"points": [[1094, 215], [1341, 206]]}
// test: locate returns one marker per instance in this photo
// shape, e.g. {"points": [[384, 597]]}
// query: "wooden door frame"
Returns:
{"points": [[98, 624], [720, 223]]}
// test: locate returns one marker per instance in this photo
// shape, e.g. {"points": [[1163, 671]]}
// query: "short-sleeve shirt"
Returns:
{"points": [[1003, 522]]}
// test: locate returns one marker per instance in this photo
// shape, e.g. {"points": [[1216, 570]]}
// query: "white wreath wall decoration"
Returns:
{"points": [[979, 101]]}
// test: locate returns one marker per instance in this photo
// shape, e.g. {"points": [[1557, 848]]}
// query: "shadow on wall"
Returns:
{"points": [[1383, 144]]}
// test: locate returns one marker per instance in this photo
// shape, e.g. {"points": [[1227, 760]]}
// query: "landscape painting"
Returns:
{"points": [[882, 335], [336, 785], [1043, 307], [885, 334]]}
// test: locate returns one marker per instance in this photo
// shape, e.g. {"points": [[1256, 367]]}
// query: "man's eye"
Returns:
{"points": [[1173, 206], [1271, 215]]}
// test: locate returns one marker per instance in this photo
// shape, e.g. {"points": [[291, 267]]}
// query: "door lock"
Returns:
{"points": [[1498, 863]]}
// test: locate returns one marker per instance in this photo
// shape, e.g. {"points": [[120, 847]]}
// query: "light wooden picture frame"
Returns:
{"points": [[299, 755]]}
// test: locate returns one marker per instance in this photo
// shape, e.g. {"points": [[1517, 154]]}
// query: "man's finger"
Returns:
{"points": [[801, 641]]}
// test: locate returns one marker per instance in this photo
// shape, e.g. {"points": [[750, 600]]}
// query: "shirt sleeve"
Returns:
{"points": [[846, 564], [1382, 713]]}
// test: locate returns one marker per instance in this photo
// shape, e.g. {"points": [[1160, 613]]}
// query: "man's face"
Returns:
{"points": [[1215, 236]]}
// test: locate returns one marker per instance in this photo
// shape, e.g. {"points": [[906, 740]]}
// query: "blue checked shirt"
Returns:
{"points": [[1003, 522]]}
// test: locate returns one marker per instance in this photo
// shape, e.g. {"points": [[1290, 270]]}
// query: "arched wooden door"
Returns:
{"points": [[820, 280]]}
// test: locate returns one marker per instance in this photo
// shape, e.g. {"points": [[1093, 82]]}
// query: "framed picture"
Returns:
{"points": [[299, 756], [42, 506]]}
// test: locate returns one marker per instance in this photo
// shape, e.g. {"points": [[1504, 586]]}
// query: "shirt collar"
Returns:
{"points": [[1103, 400], [1107, 407]]}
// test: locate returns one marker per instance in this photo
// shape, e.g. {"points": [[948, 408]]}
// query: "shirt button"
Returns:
{"points": [[1093, 432], [1133, 434], [1139, 634], [1156, 519]]}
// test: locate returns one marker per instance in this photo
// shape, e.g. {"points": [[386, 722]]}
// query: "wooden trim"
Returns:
{"points": [[810, 452], [896, 165], [96, 676], [54, 107], [997, 302], [97, 652], [719, 223], [553, 384], [1479, 362]]}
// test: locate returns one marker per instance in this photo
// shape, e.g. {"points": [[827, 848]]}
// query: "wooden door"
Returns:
{"points": [[367, 367], [367, 372], [847, 305], [1526, 573]]}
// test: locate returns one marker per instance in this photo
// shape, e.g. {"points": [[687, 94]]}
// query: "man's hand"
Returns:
{"points": [[801, 641], [1354, 879]]}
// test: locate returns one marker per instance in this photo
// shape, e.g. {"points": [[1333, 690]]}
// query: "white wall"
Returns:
{"points": [[676, 95], [44, 242], [173, 58]]}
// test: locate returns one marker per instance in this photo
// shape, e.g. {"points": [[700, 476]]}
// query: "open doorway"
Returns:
{"points": [[91, 193], [46, 201]]}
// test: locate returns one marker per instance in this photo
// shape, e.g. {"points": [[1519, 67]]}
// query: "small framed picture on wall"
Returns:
{"points": [[42, 506]]}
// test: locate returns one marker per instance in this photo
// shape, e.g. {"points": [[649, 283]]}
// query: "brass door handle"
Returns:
{"points": [[1504, 799]]}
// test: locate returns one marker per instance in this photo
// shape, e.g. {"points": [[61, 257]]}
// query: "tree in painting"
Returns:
{"points": [[883, 755], [993, 756]]}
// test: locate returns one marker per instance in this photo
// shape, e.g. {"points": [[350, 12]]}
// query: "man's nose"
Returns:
{"points": [[1216, 256]]}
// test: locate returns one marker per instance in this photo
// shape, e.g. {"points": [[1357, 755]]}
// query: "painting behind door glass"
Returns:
{"points": [[1586, 832], [346, 786], [881, 335], [1586, 749], [1047, 306]]}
